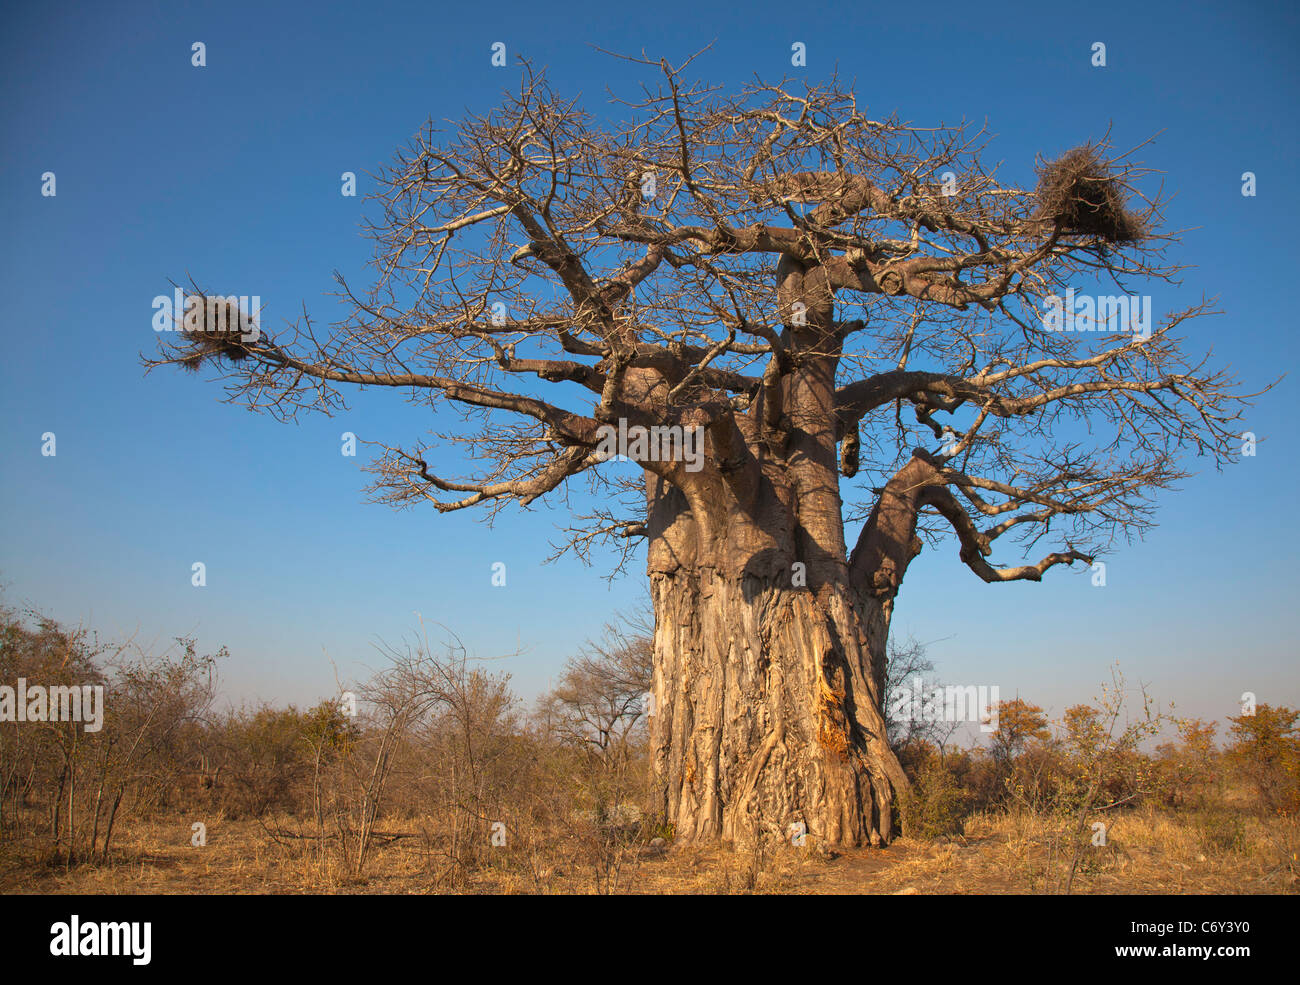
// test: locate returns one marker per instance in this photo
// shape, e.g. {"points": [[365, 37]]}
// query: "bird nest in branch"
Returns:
{"points": [[215, 327], [1079, 192]]}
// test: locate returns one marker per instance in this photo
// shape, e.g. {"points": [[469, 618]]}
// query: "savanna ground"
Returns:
{"points": [[431, 777], [1149, 851]]}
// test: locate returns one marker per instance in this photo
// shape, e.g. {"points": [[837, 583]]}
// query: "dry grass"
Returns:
{"points": [[1148, 851]]}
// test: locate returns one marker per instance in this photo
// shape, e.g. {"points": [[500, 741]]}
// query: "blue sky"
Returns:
{"points": [[230, 173]]}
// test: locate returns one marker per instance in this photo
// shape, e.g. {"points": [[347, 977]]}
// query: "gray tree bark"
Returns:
{"points": [[769, 643]]}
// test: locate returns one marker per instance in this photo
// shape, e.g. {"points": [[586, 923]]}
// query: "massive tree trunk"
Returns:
{"points": [[765, 716], [769, 643]]}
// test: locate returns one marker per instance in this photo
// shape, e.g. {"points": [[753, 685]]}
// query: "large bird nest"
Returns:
{"points": [[1079, 191], [215, 327]]}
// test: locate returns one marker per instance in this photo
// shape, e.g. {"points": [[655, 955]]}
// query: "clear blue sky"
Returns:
{"points": [[231, 173]]}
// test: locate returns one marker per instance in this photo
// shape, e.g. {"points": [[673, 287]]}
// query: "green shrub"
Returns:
{"points": [[937, 805]]}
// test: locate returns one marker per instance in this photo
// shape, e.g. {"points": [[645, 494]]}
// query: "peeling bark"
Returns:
{"points": [[764, 714]]}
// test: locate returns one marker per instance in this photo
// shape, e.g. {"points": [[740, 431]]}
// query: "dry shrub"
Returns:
{"points": [[1221, 830], [1265, 752], [1188, 773], [67, 790]]}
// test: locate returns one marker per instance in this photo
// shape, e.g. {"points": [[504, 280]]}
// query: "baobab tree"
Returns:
{"points": [[819, 295]]}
